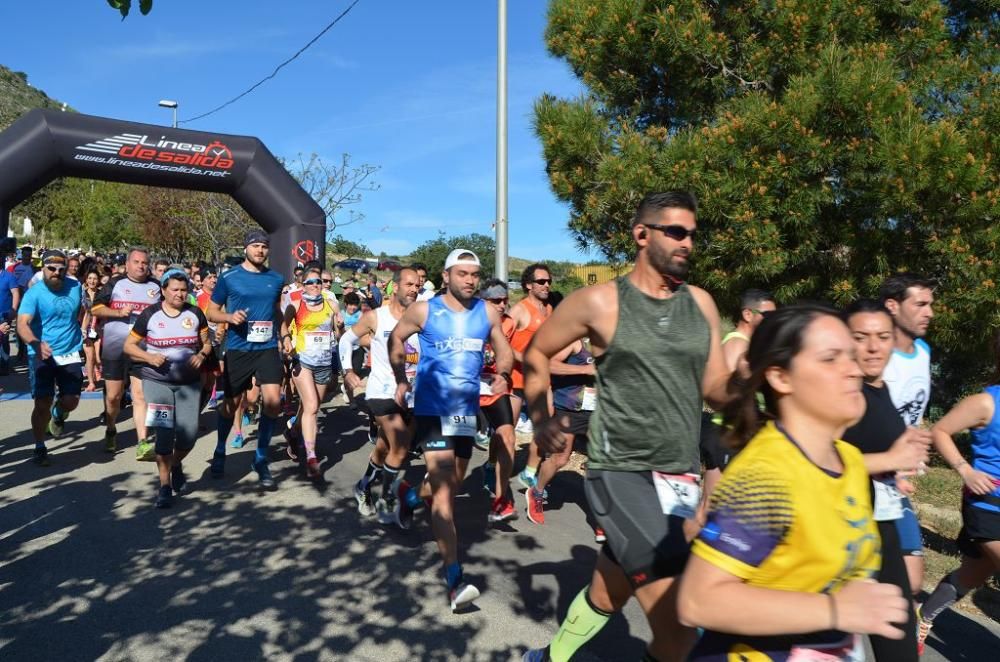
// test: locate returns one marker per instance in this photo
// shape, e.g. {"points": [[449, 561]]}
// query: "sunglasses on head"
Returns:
{"points": [[312, 281], [675, 232], [498, 301], [542, 281]]}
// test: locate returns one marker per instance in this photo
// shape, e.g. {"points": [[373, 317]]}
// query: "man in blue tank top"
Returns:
{"points": [[453, 330]]}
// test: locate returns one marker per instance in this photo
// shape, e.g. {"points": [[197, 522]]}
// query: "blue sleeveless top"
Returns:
{"points": [[986, 450], [451, 358]]}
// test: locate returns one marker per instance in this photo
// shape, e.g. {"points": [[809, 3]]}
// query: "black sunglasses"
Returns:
{"points": [[675, 232], [498, 301], [542, 281], [327, 280]]}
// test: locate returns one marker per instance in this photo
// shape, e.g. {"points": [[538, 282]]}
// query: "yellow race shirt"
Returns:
{"points": [[778, 521]]}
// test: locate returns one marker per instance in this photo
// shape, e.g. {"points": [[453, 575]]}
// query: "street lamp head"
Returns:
{"points": [[168, 103]]}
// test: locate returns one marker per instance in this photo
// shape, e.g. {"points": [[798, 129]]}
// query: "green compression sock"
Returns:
{"points": [[582, 622]]}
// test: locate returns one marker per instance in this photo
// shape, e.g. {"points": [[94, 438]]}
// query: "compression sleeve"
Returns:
{"points": [[348, 343]]}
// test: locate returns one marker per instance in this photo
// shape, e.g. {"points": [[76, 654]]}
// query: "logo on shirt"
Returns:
{"points": [[453, 344], [152, 292], [187, 323]]}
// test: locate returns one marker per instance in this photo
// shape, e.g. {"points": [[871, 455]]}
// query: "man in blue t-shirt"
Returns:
{"points": [[250, 293], [10, 299], [48, 322]]}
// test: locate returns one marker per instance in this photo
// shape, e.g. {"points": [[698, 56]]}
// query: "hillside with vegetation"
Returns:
{"points": [[17, 96]]}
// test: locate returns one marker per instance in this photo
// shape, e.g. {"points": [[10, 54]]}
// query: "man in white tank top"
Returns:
{"points": [[395, 423]]}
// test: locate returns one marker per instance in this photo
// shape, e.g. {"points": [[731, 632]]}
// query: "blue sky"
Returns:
{"points": [[408, 86]]}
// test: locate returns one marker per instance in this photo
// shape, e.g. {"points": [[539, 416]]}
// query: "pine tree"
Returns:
{"points": [[830, 142]]}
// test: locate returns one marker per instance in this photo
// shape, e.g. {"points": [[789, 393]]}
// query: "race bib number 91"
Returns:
{"points": [[458, 426]]}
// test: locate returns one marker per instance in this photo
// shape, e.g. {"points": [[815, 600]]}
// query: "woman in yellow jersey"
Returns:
{"points": [[307, 335], [782, 568]]}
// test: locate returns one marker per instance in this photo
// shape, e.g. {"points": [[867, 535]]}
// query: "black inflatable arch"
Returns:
{"points": [[45, 144]]}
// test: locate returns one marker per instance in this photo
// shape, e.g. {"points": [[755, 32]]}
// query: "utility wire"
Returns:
{"points": [[276, 69]]}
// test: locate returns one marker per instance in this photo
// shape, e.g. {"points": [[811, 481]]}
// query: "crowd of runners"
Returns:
{"points": [[751, 490]]}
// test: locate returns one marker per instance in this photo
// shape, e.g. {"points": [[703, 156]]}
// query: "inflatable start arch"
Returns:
{"points": [[46, 144]]}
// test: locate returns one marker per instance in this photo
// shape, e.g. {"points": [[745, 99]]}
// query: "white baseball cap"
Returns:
{"points": [[454, 261]]}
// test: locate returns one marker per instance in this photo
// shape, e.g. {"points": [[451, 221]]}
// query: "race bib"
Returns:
{"points": [[589, 399], [318, 341], [459, 426], [67, 359], [888, 501], [679, 494], [159, 416], [259, 331]]}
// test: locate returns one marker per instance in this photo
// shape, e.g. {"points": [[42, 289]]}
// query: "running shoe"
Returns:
{"points": [[489, 478], [502, 510], [363, 495], [165, 497], [403, 512], [536, 506], [41, 457], [312, 469], [239, 441], [524, 426], [373, 432], [177, 478], [923, 631], [292, 449], [218, 467], [481, 441], [463, 594], [56, 423], [599, 535], [111, 441], [527, 482], [245, 420], [264, 474], [536, 655], [145, 450], [213, 403]]}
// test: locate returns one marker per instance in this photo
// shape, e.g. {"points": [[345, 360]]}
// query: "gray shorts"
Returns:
{"points": [[186, 402], [322, 374]]}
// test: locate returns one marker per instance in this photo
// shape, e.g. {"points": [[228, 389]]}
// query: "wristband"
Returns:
{"points": [[506, 375]]}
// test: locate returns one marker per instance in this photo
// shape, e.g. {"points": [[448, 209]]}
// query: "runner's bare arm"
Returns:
{"points": [[503, 351], [732, 351], [215, 314], [558, 365], [26, 334], [411, 322], [571, 321], [715, 381]]}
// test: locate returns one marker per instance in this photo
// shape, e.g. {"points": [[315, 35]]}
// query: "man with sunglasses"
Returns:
{"points": [[656, 344], [498, 412], [528, 314], [48, 322], [753, 305]]}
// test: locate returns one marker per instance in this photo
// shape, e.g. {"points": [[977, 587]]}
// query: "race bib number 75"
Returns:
{"points": [[159, 416]]}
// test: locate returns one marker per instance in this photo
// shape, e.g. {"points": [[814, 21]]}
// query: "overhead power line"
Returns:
{"points": [[276, 69]]}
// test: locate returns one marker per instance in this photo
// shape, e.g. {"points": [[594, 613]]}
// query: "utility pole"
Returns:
{"points": [[501, 215]]}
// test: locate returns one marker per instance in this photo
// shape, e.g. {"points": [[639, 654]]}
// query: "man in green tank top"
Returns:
{"points": [[753, 305], [656, 343]]}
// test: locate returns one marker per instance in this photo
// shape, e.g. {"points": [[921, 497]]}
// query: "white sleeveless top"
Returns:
{"points": [[381, 382], [908, 378]]}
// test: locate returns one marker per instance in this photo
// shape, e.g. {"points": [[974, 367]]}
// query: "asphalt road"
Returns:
{"points": [[90, 570]]}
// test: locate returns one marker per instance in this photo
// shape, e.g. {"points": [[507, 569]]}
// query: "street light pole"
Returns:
{"points": [[501, 193], [169, 103]]}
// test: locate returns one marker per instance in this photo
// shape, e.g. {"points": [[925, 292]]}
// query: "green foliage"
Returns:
{"points": [[340, 246], [434, 252], [18, 97], [830, 143], [124, 6]]}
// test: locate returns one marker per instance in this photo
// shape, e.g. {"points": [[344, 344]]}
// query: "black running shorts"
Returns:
{"points": [[499, 413], [243, 366], [647, 544], [979, 525], [386, 407], [429, 437]]}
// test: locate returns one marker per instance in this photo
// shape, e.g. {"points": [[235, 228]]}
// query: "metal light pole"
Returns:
{"points": [[501, 215], [168, 103]]}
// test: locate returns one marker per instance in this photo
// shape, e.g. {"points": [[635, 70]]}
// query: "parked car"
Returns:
{"points": [[389, 265], [352, 265], [513, 285]]}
